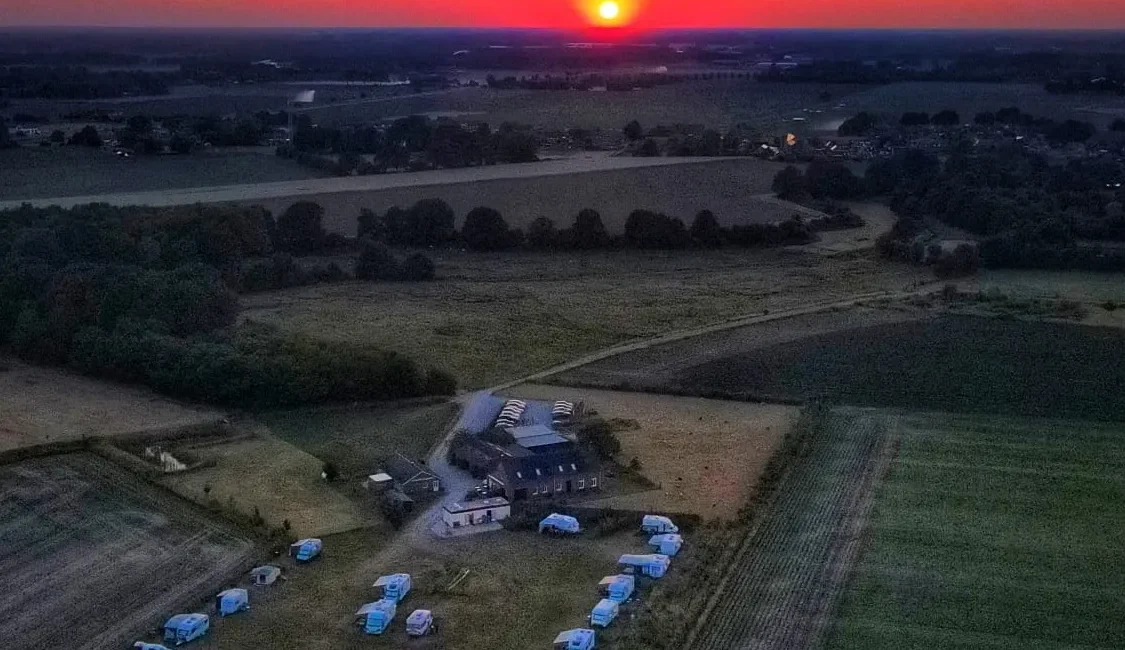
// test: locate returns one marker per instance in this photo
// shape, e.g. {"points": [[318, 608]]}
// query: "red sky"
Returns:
{"points": [[1102, 14]]}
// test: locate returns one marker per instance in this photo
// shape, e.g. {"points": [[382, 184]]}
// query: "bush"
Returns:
{"points": [[87, 137], [946, 118], [705, 230], [299, 229], [376, 262], [430, 224], [599, 436], [861, 124], [417, 268], [541, 234], [330, 471], [588, 231], [486, 230], [644, 229], [832, 180]]}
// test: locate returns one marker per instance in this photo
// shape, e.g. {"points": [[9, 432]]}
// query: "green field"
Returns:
{"points": [[357, 439], [36, 172], [994, 534]]}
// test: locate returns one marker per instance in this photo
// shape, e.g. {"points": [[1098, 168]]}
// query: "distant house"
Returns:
{"points": [[411, 478]]}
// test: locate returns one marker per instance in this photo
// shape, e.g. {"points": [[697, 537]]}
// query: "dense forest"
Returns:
{"points": [[147, 295]]}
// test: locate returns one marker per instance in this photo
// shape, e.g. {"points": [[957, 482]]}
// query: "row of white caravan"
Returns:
{"points": [[185, 628], [616, 590], [376, 617]]}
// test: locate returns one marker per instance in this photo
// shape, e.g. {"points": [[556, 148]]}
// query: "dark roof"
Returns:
{"points": [[405, 470], [569, 462]]}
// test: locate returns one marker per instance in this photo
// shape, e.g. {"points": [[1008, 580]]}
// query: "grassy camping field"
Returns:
{"points": [[994, 533]]}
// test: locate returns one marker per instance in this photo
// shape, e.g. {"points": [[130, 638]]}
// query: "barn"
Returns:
{"points": [[411, 478]]}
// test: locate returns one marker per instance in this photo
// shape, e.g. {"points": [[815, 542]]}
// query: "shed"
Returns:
{"points": [[376, 617], [556, 523], [395, 586], [420, 622], [654, 566], [655, 524], [619, 587], [184, 628], [580, 639], [667, 544], [604, 612], [411, 478], [232, 601], [379, 483], [470, 513], [306, 549], [265, 575]]}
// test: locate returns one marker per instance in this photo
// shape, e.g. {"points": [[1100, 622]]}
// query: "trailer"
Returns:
{"points": [[232, 601], [667, 544], [265, 575], [619, 587], [395, 586], [560, 524], [185, 628], [306, 549], [604, 612], [376, 617], [580, 639], [420, 623], [656, 524], [653, 566]]}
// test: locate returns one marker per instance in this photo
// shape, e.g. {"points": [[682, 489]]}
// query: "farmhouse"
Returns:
{"points": [[411, 478], [544, 475], [456, 515]]}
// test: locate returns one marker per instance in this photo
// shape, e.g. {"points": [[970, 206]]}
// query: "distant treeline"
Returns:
{"points": [[145, 295], [411, 143], [73, 82], [1055, 132], [1027, 212], [617, 82], [431, 223]]}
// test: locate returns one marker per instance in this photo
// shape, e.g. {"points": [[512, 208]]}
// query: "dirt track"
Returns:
{"points": [[93, 558]]}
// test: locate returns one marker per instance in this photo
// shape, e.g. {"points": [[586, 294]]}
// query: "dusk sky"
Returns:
{"points": [[1102, 14]]}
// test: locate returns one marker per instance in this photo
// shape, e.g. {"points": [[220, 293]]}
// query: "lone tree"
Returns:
{"points": [[946, 118], [789, 184], [588, 232], [486, 230], [633, 131], [705, 230], [299, 229], [430, 223]]}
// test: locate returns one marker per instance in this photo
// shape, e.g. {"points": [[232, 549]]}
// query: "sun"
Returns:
{"points": [[609, 10]]}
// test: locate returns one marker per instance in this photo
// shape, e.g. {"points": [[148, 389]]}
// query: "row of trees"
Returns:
{"points": [[431, 223], [865, 123], [146, 295]]}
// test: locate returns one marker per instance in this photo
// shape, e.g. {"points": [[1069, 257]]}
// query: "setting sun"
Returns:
{"points": [[609, 10]]}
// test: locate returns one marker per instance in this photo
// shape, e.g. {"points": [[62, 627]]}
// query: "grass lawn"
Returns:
{"points": [[357, 439], [994, 534], [490, 318]]}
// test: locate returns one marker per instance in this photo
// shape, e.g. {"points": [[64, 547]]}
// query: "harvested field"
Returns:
{"points": [[994, 533], [43, 405], [273, 478], [955, 363], [494, 318], [705, 455], [42, 173], [784, 583], [94, 557], [537, 586]]}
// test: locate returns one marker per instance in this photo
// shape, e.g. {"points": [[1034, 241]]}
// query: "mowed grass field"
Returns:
{"points": [[995, 534], [494, 318], [910, 360], [358, 438], [38, 173]]}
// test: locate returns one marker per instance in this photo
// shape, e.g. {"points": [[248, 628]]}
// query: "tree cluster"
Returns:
{"points": [[820, 180], [1028, 213], [74, 82], [145, 295], [414, 143]]}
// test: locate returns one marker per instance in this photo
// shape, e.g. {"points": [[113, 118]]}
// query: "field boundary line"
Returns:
{"points": [[722, 326]]}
